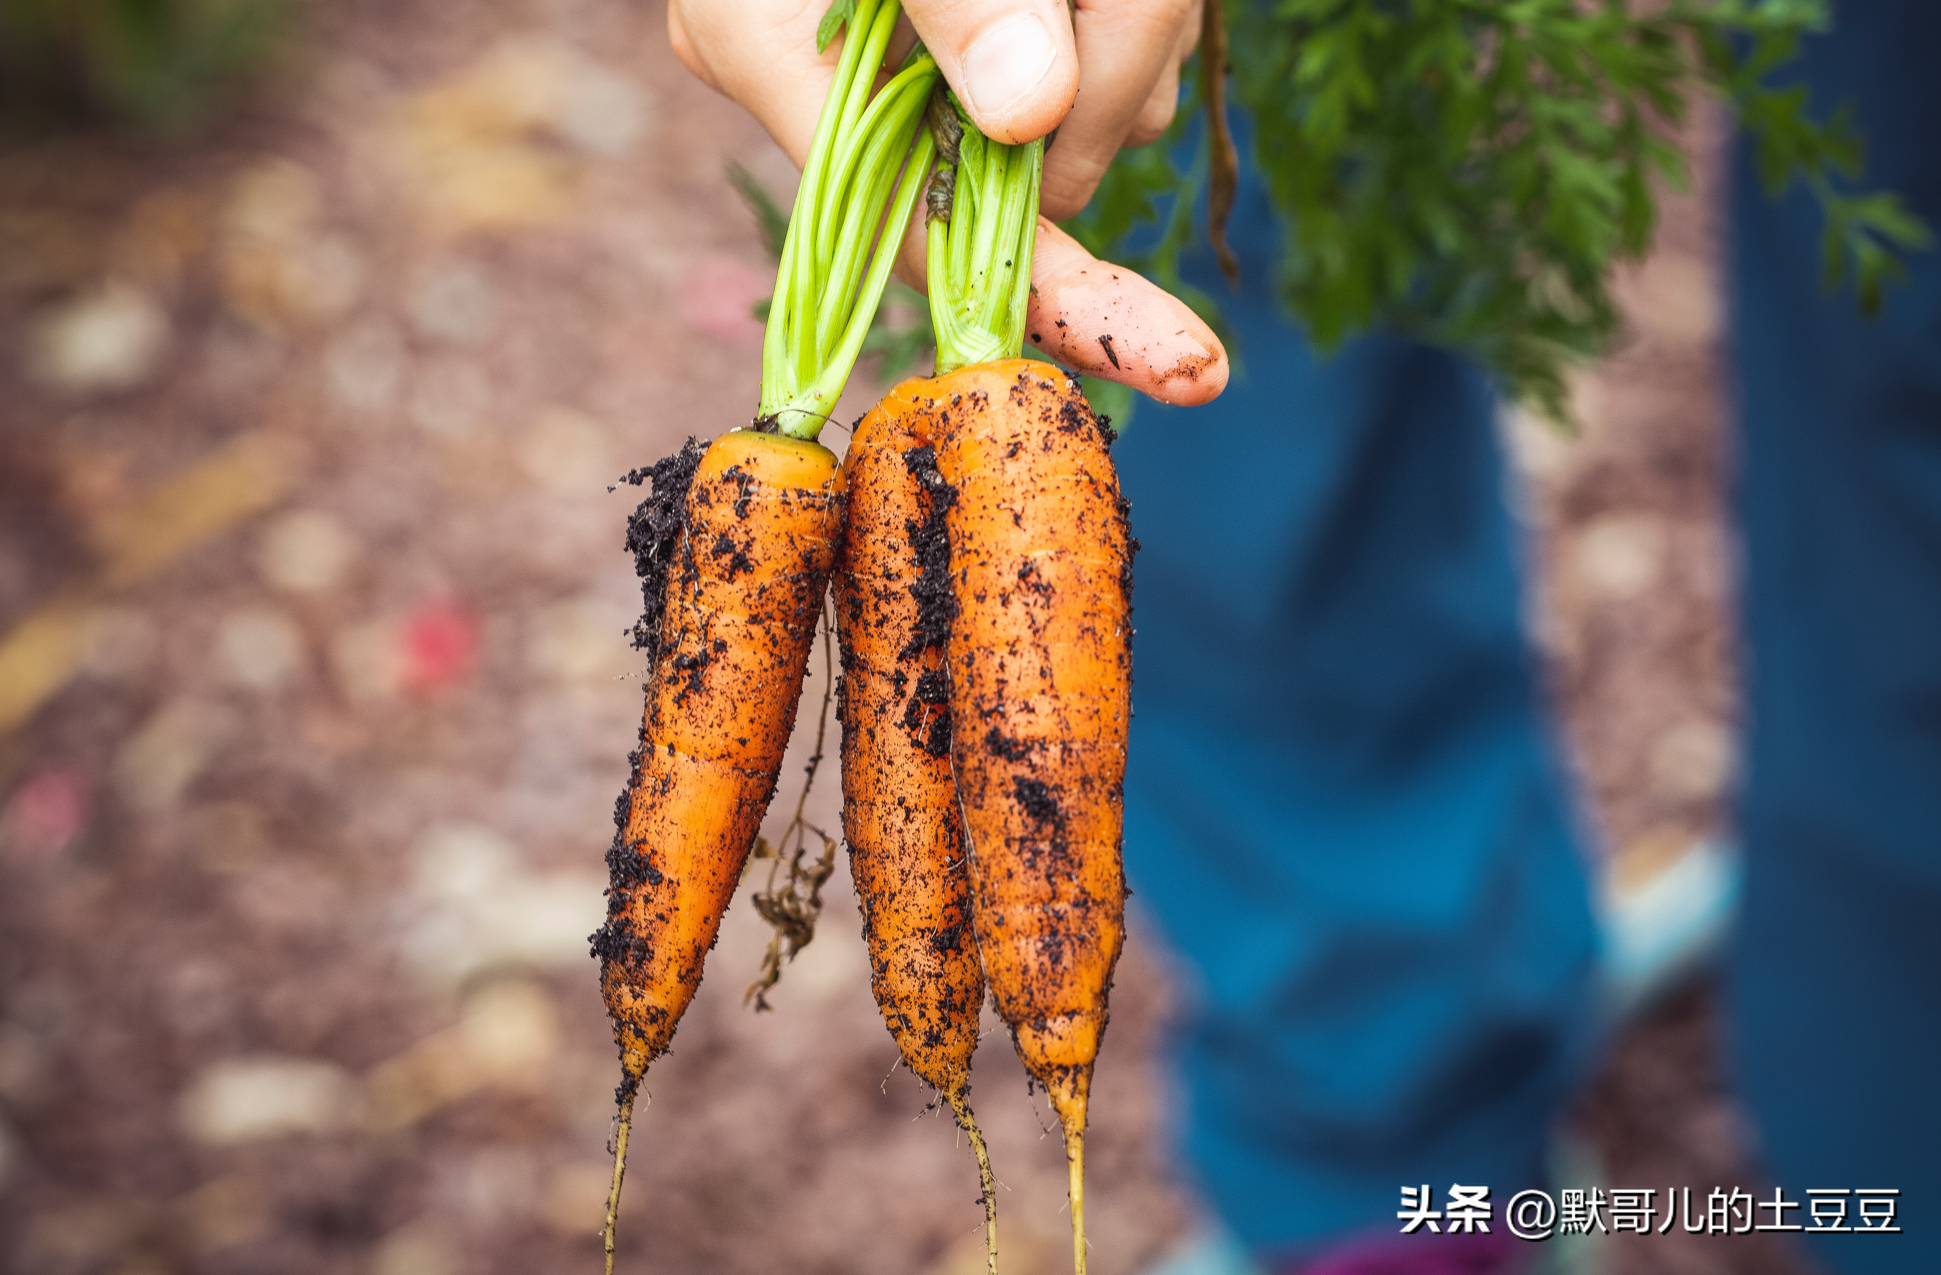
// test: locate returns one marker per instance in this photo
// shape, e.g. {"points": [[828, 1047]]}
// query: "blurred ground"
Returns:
{"points": [[314, 701]]}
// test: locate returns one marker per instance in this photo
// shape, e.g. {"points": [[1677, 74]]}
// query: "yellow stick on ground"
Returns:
{"points": [[41, 653]]}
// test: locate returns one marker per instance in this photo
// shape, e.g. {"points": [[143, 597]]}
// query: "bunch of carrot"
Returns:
{"points": [[982, 568]]}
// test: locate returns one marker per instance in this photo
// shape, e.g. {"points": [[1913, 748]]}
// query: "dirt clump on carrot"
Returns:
{"points": [[654, 535]]}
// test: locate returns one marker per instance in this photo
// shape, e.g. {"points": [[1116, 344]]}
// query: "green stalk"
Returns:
{"points": [[901, 100], [982, 227], [865, 169]]}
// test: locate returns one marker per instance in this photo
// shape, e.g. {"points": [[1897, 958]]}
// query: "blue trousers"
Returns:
{"points": [[1343, 803], [1836, 975]]}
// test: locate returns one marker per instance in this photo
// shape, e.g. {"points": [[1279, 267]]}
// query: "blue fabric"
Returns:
{"points": [[1836, 982], [1342, 805]]}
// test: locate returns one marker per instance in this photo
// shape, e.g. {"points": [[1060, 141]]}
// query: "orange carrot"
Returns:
{"points": [[900, 818], [745, 569], [1040, 671], [1040, 649], [745, 536]]}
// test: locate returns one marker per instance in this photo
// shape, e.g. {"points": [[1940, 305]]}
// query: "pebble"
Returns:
{"points": [[1676, 299], [509, 1030], [581, 640], [259, 649], [105, 340], [416, 1250], [1543, 453], [575, 1198], [478, 908], [600, 112], [223, 1213], [568, 453], [454, 303], [364, 365], [507, 1035], [494, 1189], [1620, 556], [460, 860], [449, 396], [275, 199], [1693, 760], [248, 1099], [118, 644], [306, 551]]}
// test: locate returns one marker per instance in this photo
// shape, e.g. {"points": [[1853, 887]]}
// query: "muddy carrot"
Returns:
{"points": [[1039, 653], [1040, 672], [759, 520], [736, 543], [900, 816]]}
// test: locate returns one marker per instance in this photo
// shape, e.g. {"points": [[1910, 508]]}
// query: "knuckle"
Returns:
{"points": [[1154, 118], [1065, 191], [1167, 16], [1175, 13]]}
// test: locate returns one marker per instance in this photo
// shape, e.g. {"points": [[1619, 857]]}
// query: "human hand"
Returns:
{"points": [[1105, 78]]}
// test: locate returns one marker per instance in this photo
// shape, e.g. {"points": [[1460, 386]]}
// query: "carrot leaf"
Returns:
{"points": [[840, 12], [1471, 171]]}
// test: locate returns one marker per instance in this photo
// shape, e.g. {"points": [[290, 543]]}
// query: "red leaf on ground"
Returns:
{"points": [[439, 645], [47, 812]]}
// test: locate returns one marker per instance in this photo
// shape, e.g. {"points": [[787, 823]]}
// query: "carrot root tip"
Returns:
{"points": [[986, 1179], [630, 1087], [1075, 1154]]}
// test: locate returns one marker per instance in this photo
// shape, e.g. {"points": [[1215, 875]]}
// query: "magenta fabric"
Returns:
{"points": [[1418, 1254]]}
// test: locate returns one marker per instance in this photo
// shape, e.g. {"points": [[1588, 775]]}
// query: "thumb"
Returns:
{"points": [[1012, 63]]}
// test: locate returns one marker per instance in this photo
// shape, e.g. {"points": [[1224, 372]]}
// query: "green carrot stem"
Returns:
{"points": [[875, 164], [868, 159], [821, 394], [982, 228]]}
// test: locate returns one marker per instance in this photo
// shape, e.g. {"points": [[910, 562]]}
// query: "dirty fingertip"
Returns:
{"points": [[1113, 323]]}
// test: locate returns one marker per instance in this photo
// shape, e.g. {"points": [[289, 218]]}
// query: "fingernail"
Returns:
{"points": [[1006, 62]]}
